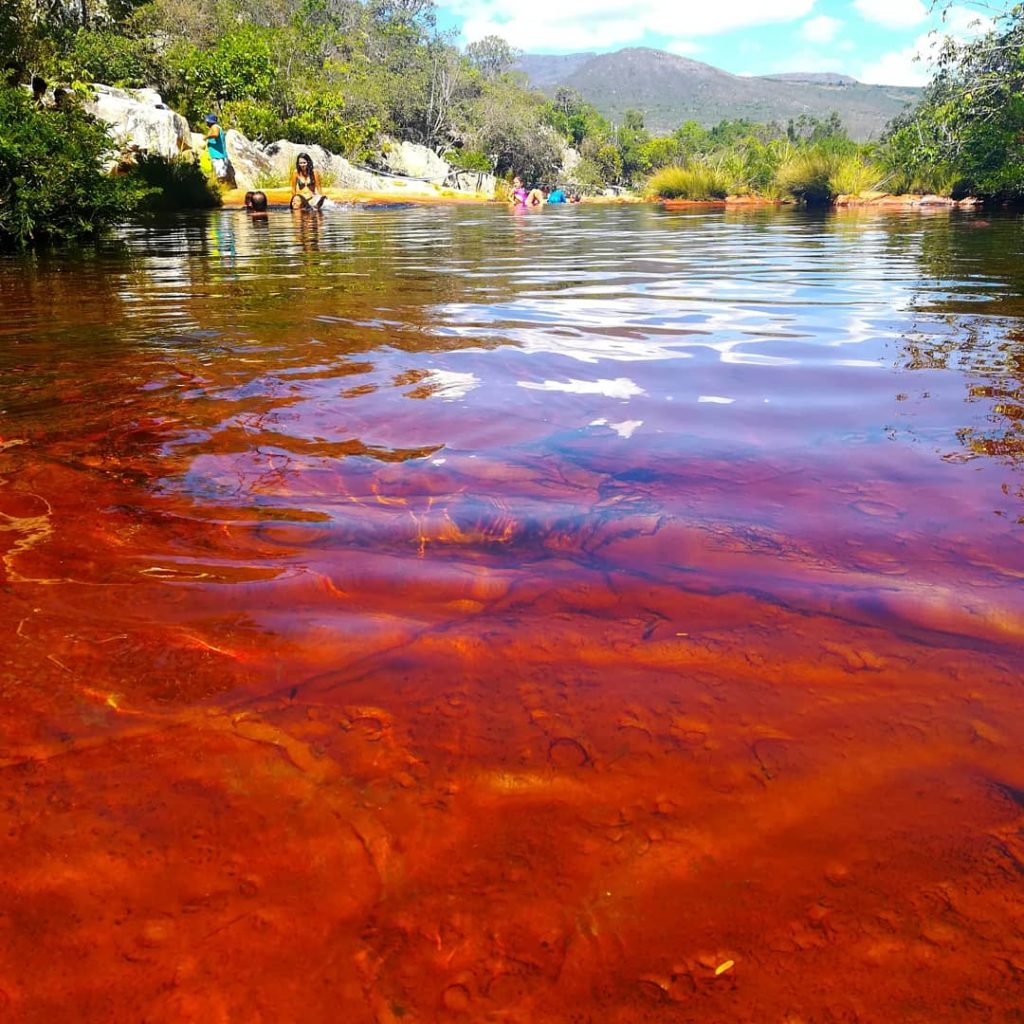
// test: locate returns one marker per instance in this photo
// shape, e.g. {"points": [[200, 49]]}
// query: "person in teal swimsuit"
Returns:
{"points": [[216, 146]]}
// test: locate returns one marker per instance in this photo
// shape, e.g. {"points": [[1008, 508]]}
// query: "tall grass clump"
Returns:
{"points": [[851, 176], [937, 180], [698, 181], [808, 175]]}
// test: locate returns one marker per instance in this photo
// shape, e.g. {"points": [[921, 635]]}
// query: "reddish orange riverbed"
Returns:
{"points": [[336, 690]]}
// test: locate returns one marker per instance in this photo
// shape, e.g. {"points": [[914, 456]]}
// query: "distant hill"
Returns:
{"points": [[671, 90]]}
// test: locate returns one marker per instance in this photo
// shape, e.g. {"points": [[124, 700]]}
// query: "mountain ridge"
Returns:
{"points": [[671, 89]]}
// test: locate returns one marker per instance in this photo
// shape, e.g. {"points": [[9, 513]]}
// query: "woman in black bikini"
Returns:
{"points": [[306, 184]]}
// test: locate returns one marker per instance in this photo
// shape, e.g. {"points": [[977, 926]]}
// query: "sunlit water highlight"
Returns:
{"points": [[452, 614]]}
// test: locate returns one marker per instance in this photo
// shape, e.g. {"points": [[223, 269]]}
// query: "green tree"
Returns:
{"points": [[492, 56], [969, 129], [53, 183]]}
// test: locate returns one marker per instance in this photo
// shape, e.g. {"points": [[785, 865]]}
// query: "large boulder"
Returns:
{"points": [[138, 120], [335, 171], [477, 182], [570, 161], [413, 161], [252, 168]]}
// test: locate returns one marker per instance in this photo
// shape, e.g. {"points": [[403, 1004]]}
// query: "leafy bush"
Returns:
{"points": [[319, 120], [698, 181], [239, 67], [108, 57], [254, 119], [52, 180], [468, 160], [177, 184]]}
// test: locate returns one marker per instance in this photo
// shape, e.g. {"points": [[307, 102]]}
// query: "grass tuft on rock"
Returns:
{"points": [[698, 181]]}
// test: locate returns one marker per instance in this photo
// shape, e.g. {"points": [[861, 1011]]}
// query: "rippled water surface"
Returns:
{"points": [[596, 615]]}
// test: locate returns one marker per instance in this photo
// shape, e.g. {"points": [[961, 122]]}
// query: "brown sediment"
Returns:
{"points": [[531, 792], [302, 723]]}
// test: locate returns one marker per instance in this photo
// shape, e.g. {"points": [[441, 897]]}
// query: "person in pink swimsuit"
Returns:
{"points": [[519, 193]]}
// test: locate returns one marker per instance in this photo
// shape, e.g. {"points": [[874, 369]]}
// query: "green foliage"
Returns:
{"points": [[108, 57], [17, 40], [968, 133], [239, 67], [698, 181], [816, 130], [53, 184], [575, 119], [508, 128], [319, 119], [177, 184], [468, 160], [852, 175], [808, 174], [492, 56], [601, 164], [255, 119]]}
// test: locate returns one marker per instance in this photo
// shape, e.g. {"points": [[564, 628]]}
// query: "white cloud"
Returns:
{"points": [[914, 64], [822, 29], [900, 67], [892, 13], [962, 23], [535, 25], [684, 47]]}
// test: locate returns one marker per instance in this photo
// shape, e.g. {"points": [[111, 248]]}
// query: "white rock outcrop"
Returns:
{"points": [[271, 166], [415, 161], [137, 119]]}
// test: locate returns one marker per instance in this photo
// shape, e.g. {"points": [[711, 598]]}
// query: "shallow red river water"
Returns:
{"points": [[600, 616]]}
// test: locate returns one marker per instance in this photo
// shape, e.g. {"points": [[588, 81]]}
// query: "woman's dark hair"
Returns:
{"points": [[259, 202], [309, 162]]}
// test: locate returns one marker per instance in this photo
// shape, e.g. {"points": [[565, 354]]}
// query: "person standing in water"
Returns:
{"points": [[217, 147], [306, 183]]}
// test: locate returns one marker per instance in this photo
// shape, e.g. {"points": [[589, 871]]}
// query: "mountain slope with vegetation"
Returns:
{"points": [[670, 90]]}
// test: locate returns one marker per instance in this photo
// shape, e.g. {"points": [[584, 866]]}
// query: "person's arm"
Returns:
{"points": [[316, 182], [295, 182]]}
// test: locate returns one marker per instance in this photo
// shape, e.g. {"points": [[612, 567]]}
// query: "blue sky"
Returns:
{"points": [[873, 40]]}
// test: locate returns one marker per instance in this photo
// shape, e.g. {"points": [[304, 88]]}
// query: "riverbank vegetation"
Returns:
{"points": [[965, 138], [347, 74], [53, 183]]}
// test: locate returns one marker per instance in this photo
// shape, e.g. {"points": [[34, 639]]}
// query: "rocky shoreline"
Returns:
{"points": [[140, 122]]}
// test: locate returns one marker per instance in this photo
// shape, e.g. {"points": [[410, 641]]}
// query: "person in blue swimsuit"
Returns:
{"points": [[216, 146]]}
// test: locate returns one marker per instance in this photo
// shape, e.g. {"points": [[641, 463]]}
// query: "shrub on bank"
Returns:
{"points": [[177, 184], [52, 180], [697, 182]]}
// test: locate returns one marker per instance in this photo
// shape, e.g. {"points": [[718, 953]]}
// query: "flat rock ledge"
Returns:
{"points": [[886, 200]]}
